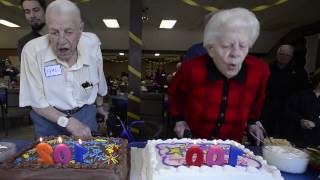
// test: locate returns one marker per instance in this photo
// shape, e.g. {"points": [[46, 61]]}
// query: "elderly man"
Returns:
{"points": [[34, 12], [62, 76], [285, 80], [220, 94]]}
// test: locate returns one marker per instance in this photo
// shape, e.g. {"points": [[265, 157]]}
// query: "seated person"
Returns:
{"points": [[303, 115]]}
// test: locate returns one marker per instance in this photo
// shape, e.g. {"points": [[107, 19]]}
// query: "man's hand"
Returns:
{"points": [[77, 128], [102, 110], [180, 127], [307, 124], [257, 131]]}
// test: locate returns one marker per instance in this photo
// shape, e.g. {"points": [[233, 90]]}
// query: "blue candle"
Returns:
{"points": [[234, 152], [79, 151]]}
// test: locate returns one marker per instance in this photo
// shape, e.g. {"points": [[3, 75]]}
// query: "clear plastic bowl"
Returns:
{"points": [[286, 158]]}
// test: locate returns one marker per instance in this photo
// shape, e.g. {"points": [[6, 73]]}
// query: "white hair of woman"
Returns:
{"points": [[228, 21], [63, 7]]}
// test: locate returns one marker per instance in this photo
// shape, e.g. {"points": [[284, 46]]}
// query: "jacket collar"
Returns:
{"points": [[214, 74]]}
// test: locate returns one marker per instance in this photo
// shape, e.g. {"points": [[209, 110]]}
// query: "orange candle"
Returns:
{"points": [[44, 151]]}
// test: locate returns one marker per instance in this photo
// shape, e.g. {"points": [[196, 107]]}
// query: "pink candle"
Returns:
{"points": [[218, 153], [44, 151], [197, 151], [62, 153]]}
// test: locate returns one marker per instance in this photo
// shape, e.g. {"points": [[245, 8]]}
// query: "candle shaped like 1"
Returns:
{"points": [[79, 151], [234, 152], [44, 151], [62, 153], [194, 150]]}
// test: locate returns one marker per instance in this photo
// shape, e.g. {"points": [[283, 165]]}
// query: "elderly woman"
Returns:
{"points": [[220, 94]]}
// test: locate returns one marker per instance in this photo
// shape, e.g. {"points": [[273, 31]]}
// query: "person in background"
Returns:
{"points": [[286, 79], [221, 94], [34, 11], [11, 71], [62, 76], [160, 78], [178, 66], [194, 51], [303, 115]]}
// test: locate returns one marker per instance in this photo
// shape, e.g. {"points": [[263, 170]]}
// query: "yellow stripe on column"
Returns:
{"points": [[264, 7], [214, 9], [133, 116], [134, 71], [135, 38], [191, 3], [10, 4], [134, 98]]}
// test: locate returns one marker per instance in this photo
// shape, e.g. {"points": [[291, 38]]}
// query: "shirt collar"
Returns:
{"points": [[83, 58], [214, 74]]}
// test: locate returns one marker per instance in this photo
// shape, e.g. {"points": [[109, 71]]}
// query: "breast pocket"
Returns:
{"points": [[88, 84]]}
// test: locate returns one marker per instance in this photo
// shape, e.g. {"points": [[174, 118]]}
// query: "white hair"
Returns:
{"points": [[231, 20], [63, 7]]}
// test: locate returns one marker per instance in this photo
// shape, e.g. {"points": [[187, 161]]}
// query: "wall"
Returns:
{"points": [[312, 52]]}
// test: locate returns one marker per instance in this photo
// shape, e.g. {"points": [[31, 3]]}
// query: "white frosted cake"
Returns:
{"points": [[166, 159]]}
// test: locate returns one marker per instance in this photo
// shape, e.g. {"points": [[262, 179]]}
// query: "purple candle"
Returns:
{"points": [[215, 151], [79, 151], [62, 153]]}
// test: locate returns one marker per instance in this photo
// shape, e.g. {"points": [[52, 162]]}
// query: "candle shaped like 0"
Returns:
{"points": [[62, 153], [197, 151]]}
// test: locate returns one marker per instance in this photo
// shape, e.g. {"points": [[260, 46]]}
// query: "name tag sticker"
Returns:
{"points": [[53, 70]]}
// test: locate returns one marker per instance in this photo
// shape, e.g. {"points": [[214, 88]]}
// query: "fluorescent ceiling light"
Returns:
{"points": [[7, 23], [156, 54], [167, 24], [111, 23], [121, 54]]}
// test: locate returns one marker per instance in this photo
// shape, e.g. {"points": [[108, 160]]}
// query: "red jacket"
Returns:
{"points": [[205, 99]]}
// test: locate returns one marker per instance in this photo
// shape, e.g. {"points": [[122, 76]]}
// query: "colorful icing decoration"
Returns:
{"points": [[25, 155], [101, 153], [100, 140], [112, 159], [174, 154]]}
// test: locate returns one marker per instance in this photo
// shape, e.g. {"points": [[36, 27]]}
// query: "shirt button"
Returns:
{"points": [[222, 115], [224, 98]]}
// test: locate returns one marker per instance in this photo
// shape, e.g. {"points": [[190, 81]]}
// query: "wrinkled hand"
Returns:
{"points": [[180, 127], [258, 132], [102, 110], [77, 128], [307, 124]]}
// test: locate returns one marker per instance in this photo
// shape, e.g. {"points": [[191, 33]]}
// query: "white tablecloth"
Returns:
{"points": [[136, 163]]}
